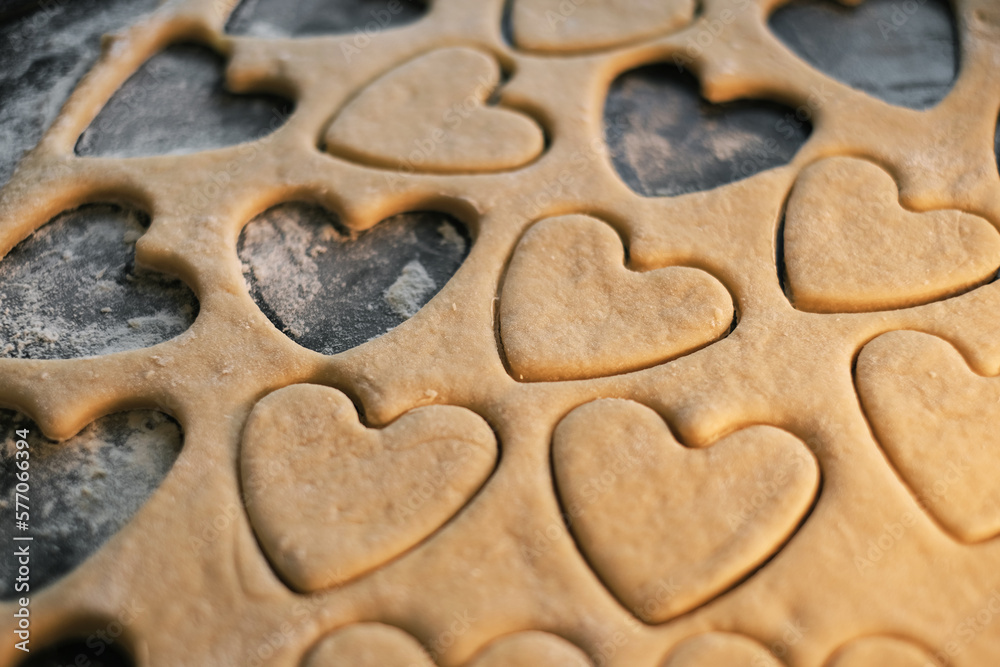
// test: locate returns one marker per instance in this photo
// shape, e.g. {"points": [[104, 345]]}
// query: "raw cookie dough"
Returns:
{"points": [[441, 123], [936, 420], [718, 511], [850, 246], [567, 293], [202, 568], [881, 652], [360, 496], [574, 25]]}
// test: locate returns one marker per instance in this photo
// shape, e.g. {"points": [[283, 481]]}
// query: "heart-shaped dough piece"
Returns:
{"points": [[368, 645], [720, 649], [531, 649], [698, 519], [881, 652], [415, 119], [570, 309], [850, 246], [331, 499], [573, 25], [937, 422]]}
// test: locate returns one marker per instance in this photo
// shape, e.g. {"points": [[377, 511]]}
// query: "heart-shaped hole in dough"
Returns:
{"points": [[176, 103], [83, 490], [330, 289], [72, 289], [301, 18], [905, 53]]}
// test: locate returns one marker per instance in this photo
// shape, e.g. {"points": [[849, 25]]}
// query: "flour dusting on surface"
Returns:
{"points": [[45, 54], [409, 292], [84, 489], [331, 289], [72, 290]]}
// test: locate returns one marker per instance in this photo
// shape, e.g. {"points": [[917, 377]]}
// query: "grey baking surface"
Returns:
{"points": [[43, 53], [272, 18], [176, 103], [904, 53], [331, 291], [82, 490], [664, 141], [72, 290], [65, 653]]}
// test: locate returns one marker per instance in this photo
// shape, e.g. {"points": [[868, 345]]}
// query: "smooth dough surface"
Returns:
{"points": [[368, 645], [531, 649], [881, 652], [330, 498], [700, 519], [572, 25], [720, 648], [937, 421], [850, 246], [417, 119], [219, 567], [567, 293]]}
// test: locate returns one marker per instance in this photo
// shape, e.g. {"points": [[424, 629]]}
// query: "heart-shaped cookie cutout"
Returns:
{"points": [[368, 645], [849, 246], [531, 649], [720, 649], [571, 309], [881, 651], [561, 25], [331, 499], [937, 422], [698, 519], [429, 115]]}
